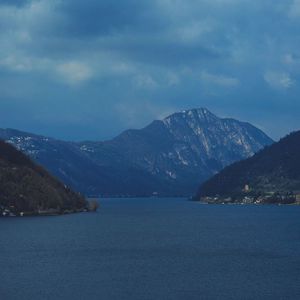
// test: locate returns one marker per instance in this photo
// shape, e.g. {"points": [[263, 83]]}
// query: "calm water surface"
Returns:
{"points": [[139, 249]]}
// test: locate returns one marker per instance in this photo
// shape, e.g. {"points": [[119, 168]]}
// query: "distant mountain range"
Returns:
{"points": [[28, 188], [270, 176], [169, 157]]}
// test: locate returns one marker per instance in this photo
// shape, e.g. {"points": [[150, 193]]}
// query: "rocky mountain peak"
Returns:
{"points": [[191, 116], [200, 113], [170, 156]]}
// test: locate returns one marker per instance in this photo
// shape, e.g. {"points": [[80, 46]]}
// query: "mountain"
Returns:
{"points": [[270, 176], [28, 188], [168, 157]]}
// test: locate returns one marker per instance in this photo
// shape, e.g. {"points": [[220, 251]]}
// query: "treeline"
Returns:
{"points": [[275, 170], [27, 187]]}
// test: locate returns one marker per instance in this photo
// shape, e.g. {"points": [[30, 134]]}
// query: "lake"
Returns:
{"points": [[153, 248]]}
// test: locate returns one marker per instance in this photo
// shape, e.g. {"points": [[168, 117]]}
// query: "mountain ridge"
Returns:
{"points": [[271, 175], [27, 188], [168, 157]]}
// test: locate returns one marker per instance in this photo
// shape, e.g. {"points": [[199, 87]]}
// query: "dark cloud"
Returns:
{"points": [[77, 64], [108, 17], [14, 2]]}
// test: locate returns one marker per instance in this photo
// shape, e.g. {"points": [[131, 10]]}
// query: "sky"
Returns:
{"points": [[89, 69]]}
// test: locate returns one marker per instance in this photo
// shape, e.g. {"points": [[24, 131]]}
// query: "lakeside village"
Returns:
{"points": [[12, 211], [249, 196]]}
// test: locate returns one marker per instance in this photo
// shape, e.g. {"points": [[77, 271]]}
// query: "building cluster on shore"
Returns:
{"points": [[11, 211], [250, 197]]}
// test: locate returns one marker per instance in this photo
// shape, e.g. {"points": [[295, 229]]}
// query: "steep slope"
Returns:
{"points": [[27, 187], [169, 157], [272, 175], [74, 165], [181, 149]]}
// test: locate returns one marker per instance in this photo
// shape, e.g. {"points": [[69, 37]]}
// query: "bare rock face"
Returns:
{"points": [[169, 157]]}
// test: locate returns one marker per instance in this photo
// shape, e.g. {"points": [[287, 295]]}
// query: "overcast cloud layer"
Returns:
{"points": [[76, 69]]}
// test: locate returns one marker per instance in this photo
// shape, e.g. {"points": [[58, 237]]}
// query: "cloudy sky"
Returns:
{"points": [[88, 69]]}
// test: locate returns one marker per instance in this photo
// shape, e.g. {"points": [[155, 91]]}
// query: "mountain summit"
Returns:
{"points": [[212, 133], [197, 113], [168, 157]]}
